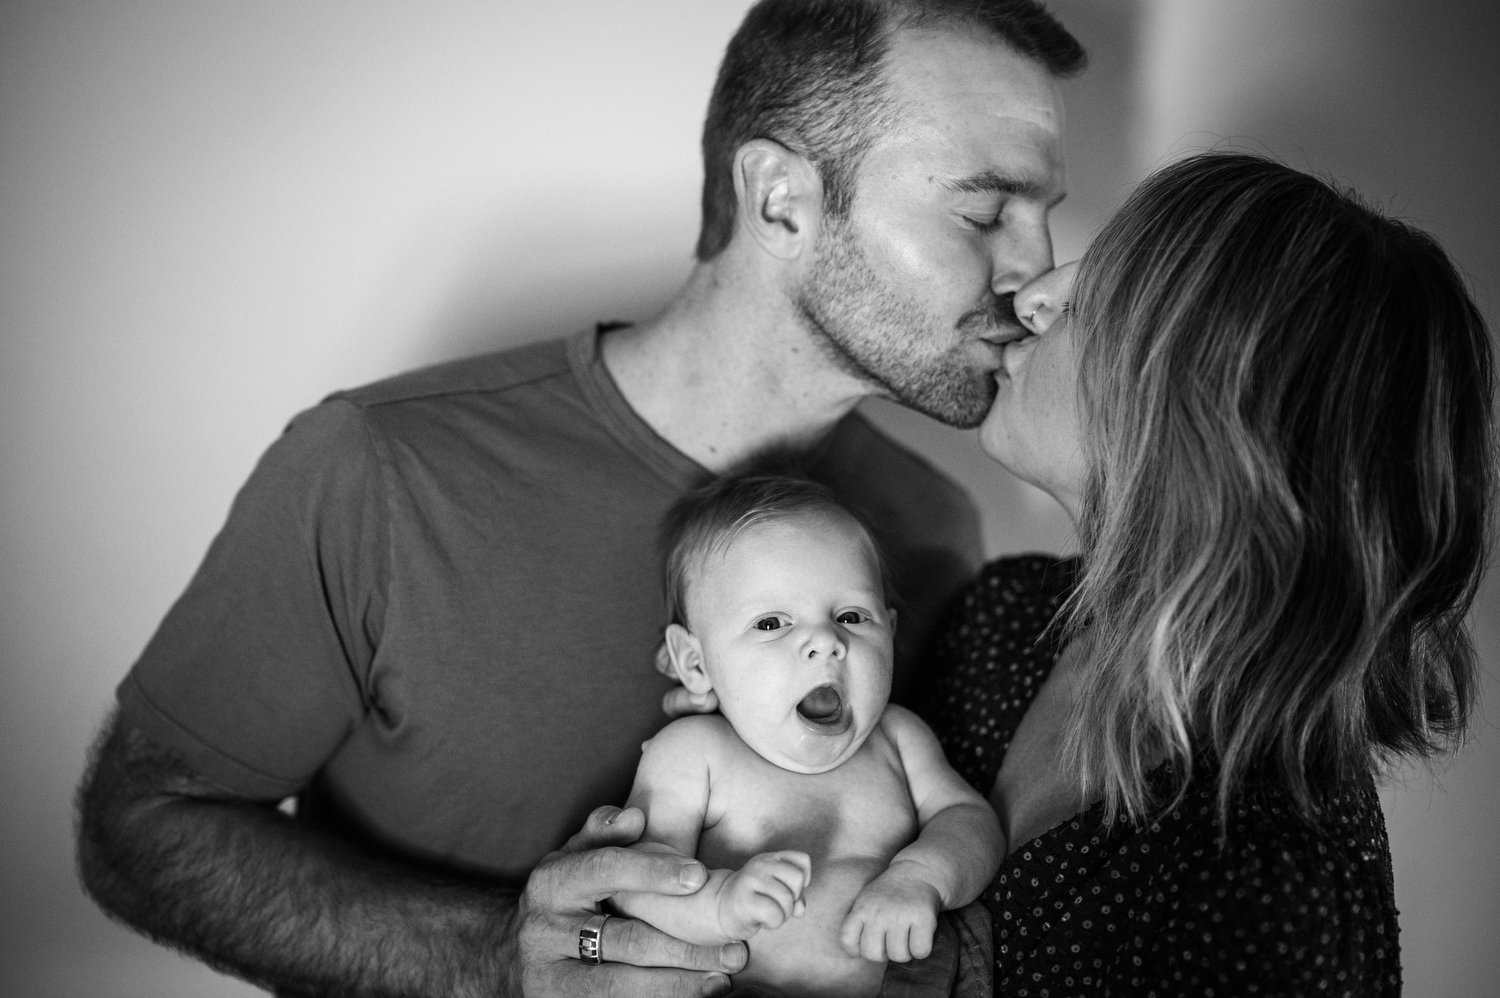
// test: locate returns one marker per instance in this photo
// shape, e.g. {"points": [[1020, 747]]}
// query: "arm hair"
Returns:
{"points": [[249, 890]]}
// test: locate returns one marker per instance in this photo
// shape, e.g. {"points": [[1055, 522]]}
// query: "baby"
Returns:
{"points": [[833, 828]]}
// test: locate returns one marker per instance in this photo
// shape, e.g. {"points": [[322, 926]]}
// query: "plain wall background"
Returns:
{"points": [[214, 212]]}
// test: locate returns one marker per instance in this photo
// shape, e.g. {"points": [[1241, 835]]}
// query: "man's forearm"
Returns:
{"points": [[252, 891]]}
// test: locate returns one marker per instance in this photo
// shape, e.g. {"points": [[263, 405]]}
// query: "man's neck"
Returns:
{"points": [[726, 371]]}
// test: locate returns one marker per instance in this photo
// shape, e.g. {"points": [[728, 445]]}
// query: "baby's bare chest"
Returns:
{"points": [[860, 812]]}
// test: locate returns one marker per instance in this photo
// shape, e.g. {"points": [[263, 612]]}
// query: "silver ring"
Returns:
{"points": [[1032, 317], [591, 940]]}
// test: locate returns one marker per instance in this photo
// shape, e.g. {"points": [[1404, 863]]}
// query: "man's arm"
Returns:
{"points": [[248, 889]]}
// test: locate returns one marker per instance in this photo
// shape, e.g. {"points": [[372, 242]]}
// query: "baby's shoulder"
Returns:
{"points": [[901, 724], [694, 733]]}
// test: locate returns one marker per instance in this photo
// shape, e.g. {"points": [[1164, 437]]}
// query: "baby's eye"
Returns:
{"points": [[851, 617], [767, 624]]}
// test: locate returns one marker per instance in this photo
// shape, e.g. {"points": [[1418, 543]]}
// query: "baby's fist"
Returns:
{"points": [[764, 893], [893, 918]]}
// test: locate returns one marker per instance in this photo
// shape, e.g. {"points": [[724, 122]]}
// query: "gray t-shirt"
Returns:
{"points": [[433, 609]]}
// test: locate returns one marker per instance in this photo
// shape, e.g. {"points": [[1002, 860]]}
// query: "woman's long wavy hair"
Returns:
{"points": [[1287, 409]]}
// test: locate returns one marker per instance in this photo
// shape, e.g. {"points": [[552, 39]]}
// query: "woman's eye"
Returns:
{"points": [[851, 617], [768, 623]]}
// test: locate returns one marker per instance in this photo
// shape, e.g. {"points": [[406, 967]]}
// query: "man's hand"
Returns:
{"points": [[764, 893], [893, 918], [567, 888]]}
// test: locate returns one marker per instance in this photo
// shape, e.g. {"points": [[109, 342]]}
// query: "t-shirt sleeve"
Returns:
{"points": [[259, 670]]}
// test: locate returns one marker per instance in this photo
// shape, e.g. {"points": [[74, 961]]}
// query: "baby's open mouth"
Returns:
{"points": [[825, 710]]}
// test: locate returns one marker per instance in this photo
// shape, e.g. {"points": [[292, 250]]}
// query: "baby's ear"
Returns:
{"points": [[686, 653]]}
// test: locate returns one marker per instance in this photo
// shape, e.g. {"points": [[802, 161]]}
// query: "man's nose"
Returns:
{"points": [[1022, 253], [1041, 301]]}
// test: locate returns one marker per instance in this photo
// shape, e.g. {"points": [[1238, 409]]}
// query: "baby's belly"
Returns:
{"points": [[803, 955]]}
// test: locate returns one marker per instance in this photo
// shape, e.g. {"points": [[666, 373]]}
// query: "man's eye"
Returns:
{"points": [[851, 617], [984, 226], [767, 623]]}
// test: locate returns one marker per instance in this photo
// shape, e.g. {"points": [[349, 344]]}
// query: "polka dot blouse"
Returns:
{"points": [[1273, 908]]}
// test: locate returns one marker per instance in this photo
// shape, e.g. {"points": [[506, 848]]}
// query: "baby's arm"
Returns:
{"points": [[672, 786], [958, 850]]}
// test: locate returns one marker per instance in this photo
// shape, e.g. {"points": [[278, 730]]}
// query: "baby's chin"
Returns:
{"points": [[804, 749]]}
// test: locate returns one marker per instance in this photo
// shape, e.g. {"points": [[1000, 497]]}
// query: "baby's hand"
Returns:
{"points": [[893, 918], [764, 893]]}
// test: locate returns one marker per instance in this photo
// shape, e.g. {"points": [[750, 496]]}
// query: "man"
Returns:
{"points": [[430, 615]]}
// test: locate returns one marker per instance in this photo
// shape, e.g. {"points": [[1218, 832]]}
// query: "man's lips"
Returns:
{"points": [[1005, 335]]}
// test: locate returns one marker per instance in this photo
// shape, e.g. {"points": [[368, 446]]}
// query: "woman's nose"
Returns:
{"points": [[1041, 301]]}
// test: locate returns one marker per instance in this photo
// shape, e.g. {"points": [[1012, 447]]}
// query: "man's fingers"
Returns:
{"points": [[627, 940], [579, 880], [637, 982], [680, 702], [608, 826]]}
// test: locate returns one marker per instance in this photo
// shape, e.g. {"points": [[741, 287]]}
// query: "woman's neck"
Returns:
{"points": [[1034, 790]]}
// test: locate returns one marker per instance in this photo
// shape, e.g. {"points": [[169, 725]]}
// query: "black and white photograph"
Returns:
{"points": [[832, 498]]}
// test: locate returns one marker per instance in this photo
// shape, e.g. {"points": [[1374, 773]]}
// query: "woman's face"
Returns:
{"points": [[1032, 429]]}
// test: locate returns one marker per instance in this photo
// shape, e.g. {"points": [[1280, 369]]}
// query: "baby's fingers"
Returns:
{"points": [[851, 931], [768, 909], [919, 939], [895, 943], [794, 869]]}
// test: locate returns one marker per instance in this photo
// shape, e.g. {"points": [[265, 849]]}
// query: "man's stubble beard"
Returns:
{"points": [[866, 329]]}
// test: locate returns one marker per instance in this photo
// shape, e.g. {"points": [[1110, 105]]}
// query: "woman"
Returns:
{"points": [[1267, 410]]}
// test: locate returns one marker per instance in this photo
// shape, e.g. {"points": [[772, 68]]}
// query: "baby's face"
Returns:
{"points": [[796, 638]]}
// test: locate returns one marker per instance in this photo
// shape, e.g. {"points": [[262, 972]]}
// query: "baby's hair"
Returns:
{"points": [[709, 518]]}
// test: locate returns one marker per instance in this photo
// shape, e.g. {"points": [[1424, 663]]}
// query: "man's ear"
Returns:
{"points": [[686, 653], [780, 197]]}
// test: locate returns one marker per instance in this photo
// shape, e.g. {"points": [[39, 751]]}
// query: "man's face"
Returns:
{"points": [[911, 292], [796, 638]]}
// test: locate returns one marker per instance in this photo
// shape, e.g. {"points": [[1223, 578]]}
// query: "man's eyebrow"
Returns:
{"points": [[990, 182]]}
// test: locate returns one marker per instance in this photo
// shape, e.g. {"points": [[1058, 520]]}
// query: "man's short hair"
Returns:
{"points": [[808, 74]]}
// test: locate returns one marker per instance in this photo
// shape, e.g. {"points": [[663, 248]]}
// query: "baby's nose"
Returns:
{"points": [[824, 642]]}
